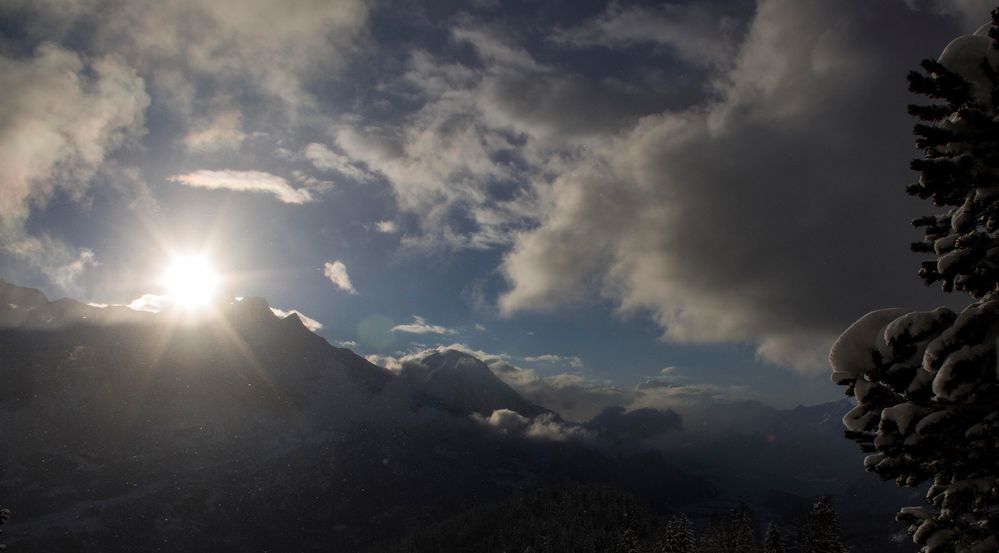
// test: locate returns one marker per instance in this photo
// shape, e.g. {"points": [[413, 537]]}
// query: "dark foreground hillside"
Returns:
{"points": [[581, 519]]}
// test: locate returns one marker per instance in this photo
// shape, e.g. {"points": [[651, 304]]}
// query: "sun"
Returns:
{"points": [[191, 281]]}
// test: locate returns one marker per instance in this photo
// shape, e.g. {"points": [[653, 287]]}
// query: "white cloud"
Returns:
{"points": [[386, 361], [308, 321], [336, 271], [542, 427], [387, 227], [266, 48], [421, 326], [245, 181], [61, 116], [150, 303]]}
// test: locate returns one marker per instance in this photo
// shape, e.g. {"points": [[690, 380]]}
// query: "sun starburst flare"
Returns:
{"points": [[191, 282]]}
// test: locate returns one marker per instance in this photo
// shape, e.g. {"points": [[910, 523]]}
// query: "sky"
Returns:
{"points": [[691, 194]]}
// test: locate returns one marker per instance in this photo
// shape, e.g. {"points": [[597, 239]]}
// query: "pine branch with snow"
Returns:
{"points": [[927, 383]]}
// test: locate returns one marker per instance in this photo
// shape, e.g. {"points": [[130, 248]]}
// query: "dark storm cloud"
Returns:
{"points": [[774, 215]]}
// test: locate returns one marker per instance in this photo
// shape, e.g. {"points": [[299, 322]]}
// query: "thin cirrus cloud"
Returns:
{"points": [[336, 272], [325, 159], [246, 181], [572, 361]]}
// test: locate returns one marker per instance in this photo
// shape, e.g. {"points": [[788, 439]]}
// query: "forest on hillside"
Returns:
{"points": [[602, 519]]}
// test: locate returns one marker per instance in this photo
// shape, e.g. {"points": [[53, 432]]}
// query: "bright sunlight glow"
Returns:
{"points": [[191, 281]]}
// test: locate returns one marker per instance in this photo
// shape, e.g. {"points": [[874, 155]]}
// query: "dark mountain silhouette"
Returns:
{"points": [[127, 431]]}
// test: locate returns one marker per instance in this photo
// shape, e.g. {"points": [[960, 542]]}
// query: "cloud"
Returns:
{"points": [[703, 33], [199, 53], [572, 361], [336, 271], [387, 227], [421, 326], [308, 321], [61, 116], [150, 303], [742, 219], [326, 159], [467, 160], [223, 132], [576, 397], [972, 13], [245, 181], [387, 361], [542, 427], [62, 265]]}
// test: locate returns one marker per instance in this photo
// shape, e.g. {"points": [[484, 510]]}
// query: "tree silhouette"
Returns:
{"points": [[773, 543], [821, 531], [4, 515]]}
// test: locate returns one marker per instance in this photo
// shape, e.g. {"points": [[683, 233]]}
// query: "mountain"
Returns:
{"points": [[779, 460], [239, 430], [461, 383]]}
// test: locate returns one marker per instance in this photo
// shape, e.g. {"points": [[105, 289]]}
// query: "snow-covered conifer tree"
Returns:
{"points": [[926, 382], [4, 515], [821, 532], [678, 536], [773, 543]]}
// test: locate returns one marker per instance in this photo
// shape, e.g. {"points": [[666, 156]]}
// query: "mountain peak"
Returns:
{"points": [[461, 382]]}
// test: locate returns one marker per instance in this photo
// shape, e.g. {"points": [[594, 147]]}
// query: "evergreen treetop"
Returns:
{"points": [[926, 383]]}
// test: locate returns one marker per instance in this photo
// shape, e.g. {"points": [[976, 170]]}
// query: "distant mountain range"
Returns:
{"points": [[128, 431]]}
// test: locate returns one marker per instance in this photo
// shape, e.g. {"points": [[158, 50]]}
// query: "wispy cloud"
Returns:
{"points": [[700, 34], [325, 159], [223, 132], [245, 181], [572, 361], [421, 326], [336, 271]]}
